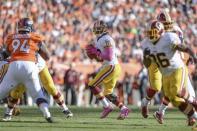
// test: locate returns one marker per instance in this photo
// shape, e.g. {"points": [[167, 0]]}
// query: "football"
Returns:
{"points": [[88, 50]]}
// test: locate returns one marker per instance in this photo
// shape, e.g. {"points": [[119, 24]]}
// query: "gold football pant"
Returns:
{"points": [[108, 77], [155, 77], [175, 86]]}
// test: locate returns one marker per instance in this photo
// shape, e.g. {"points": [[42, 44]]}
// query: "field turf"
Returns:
{"points": [[87, 119]]}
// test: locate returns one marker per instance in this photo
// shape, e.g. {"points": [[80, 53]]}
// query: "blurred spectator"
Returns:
{"points": [[136, 92], [194, 78], [127, 83], [71, 82], [143, 82]]}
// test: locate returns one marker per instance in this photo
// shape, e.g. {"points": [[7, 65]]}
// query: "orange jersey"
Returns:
{"points": [[23, 46]]}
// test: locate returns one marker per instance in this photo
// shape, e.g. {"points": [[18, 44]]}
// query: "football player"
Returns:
{"points": [[47, 83], [104, 51], [22, 48], [170, 26], [155, 77], [164, 49]]}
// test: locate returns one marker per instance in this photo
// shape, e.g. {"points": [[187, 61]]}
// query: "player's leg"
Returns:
{"points": [[109, 83], [13, 99], [30, 78], [155, 78], [177, 93], [6, 83], [159, 115], [48, 84], [191, 99], [93, 85]]}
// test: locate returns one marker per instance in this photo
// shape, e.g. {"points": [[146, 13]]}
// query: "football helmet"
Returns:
{"points": [[99, 27], [154, 30], [165, 18], [25, 24]]}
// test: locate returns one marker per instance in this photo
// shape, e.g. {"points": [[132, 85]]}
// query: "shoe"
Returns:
{"points": [[49, 120], [159, 117], [123, 114], [68, 113], [191, 121], [144, 109], [7, 117], [106, 111]]}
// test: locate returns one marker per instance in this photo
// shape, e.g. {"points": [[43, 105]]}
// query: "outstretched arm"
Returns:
{"points": [[187, 49]]}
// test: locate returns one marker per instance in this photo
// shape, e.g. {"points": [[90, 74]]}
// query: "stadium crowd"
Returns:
{"points": [[66, 26]]}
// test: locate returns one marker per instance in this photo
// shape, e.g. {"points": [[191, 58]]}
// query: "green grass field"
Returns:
{"points": [[87, 119]]}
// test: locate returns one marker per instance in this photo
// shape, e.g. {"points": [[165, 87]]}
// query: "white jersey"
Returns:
{"points": [[105, 40], [41, 63], [163, 54], [176, 29]]}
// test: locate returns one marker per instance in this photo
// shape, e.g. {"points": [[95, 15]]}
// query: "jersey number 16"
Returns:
{"points": [[160, 59]]}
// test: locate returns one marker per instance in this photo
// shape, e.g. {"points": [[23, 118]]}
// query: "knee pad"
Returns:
{"points": [[151, 93], [40, 101], [57, 96]]}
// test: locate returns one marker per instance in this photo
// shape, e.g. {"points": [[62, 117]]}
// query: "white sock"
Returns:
{"points": [[104, 102], [9, 110], [194, 115], [190, 99], [162, 109], [64, 107], [45, 110], [123, 107], [145, 102]]}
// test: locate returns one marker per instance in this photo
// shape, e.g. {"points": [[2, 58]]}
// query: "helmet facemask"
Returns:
{"points": [[24, 25], [99, 27], [155, 31], [166, 20]]}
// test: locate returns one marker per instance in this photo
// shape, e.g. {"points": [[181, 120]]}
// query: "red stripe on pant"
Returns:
{"points": [[104, 76]]}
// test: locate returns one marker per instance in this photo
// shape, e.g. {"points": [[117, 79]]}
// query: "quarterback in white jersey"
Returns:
{"points": [[163, 49], [104, 51]]}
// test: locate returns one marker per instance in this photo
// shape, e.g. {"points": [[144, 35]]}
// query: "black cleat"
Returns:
{"points": [[49, 120], [68, 113]]}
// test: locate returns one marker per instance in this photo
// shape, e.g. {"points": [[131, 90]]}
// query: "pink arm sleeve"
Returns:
{"points": [[107, 54]]}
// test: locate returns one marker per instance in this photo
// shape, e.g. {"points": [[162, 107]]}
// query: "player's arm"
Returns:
{"points": [[106, 54], [43, 51], [146, 58], [186, 49]]}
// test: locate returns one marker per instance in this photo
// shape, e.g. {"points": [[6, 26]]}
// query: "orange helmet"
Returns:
{"points": [[154, 30], [99, 27], [165, 18]]}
